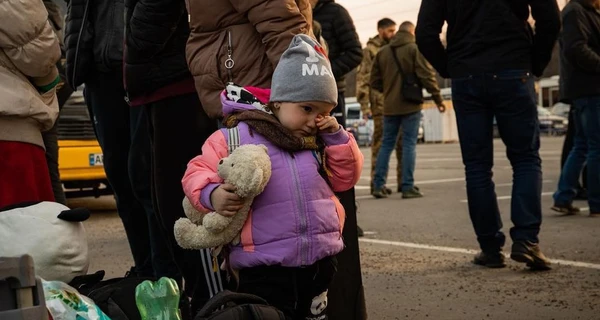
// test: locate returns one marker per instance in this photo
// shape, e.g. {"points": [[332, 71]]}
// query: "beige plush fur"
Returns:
{"points": [[248, 168]]}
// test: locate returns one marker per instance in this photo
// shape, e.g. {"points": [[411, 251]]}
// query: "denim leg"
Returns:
{"points": [[568, 184], [475, 128], [515, 107], [410, 133], [104, 97], [140, 176], [591, 128], [391, 127]]}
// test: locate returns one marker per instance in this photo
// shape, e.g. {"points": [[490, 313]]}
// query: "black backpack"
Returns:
{"points": [[115, 297], [227, 305]]}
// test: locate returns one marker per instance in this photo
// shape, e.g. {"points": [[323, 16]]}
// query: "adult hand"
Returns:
{"points": [[225, 201], [441, 108]]}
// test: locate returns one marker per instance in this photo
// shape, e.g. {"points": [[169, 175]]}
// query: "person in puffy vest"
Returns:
{"points": [[289, 242], [29, 50]]}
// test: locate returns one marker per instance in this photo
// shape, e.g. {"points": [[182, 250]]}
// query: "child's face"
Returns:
{"points": [[299, 117]]}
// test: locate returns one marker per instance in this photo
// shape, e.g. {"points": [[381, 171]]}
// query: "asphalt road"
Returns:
{"points": [[416, 253]]}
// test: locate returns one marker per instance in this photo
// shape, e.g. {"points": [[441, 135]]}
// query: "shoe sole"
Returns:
{"points": [[532, 262], [490, 265], [411, 197], [565, 210]]}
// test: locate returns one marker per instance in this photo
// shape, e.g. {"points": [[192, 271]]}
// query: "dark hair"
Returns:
{"points": [[406, 26], [385, 22]]}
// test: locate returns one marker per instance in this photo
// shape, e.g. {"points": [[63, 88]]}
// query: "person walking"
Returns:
{"points": [[396, 66], [371, 101], [492, 56], [579, 79]]}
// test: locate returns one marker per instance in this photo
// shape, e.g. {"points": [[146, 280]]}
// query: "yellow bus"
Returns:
{"points": [[80, 159]]}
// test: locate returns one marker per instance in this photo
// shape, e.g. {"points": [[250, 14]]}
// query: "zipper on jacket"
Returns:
{"points": [[298, 199], [229, 63], [83, 23]]}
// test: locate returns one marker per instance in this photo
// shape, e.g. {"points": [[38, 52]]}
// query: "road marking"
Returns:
{"points": [[469, 251], [510, 197]]}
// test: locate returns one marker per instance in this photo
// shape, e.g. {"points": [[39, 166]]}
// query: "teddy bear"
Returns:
{"points": [[51, 233], [248, 168]]}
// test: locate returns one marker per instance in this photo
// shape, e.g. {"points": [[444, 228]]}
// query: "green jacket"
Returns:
{"points": [[364, 95], [386, 78]]}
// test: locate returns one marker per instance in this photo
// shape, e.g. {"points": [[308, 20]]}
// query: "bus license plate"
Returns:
{"points": [[96, 159]]}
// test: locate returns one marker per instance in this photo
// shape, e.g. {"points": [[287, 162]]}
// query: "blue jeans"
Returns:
{"points": [[122, 133], [586, 148], [410, 131], [508, 96]]}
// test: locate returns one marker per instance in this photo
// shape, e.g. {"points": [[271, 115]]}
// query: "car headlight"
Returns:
{"points": [[565, 122], [546, 122]]}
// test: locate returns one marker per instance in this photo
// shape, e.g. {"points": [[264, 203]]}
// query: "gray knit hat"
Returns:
{"points": [[304, 74]]}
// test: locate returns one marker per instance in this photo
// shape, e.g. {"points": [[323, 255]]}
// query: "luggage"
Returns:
{"points": [[21, 293], [227, 305]]}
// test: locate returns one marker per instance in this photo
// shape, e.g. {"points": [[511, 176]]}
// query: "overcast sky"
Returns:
{"points": [[366, 13]]}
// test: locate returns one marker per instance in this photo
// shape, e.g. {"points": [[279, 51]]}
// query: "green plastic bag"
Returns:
{"points": [[158, 300]]}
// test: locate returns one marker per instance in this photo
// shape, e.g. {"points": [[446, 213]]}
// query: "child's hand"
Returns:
{"points": [[225, 202], [327, 124]]}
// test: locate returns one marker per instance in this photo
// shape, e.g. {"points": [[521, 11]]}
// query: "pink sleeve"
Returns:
{"points": [[201, 171], [343, 160]]}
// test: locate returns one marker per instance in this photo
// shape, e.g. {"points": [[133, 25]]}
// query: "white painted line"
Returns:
{"points": [[510, 197], [510, 184], [469, 251]]}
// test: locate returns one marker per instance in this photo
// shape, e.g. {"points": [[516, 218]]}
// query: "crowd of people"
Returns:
{"points": [[162, 82]]}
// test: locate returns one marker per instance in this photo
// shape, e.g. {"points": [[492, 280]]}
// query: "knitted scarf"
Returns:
{"points": [[269, 127]]}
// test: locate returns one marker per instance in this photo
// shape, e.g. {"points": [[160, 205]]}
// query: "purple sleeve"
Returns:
{"points": [[336, 138], [205, 195]]}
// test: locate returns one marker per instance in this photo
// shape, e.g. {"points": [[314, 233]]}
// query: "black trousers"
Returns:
{"points": [[178, 128], [300, 293], [568, 145]]}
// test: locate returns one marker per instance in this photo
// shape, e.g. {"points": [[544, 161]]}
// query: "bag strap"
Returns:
{"points": [[233, 138], [397, 62], [224, 297]]}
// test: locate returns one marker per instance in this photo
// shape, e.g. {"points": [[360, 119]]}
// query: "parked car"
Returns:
{"points": [[561, 109], [362, 129], [550, 124]]}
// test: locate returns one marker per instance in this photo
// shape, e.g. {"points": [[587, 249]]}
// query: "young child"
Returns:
{"points": [[293, 232]]}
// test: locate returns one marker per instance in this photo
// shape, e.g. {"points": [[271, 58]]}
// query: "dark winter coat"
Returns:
{"points": [[345, 51], [93, 38], [156, 33], [487, 36], [580, 51]]}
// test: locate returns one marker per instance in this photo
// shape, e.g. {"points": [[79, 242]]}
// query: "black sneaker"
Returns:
{"points": [[530, 254], [386, 190], [412, 194], [567, 209], [379, 194], [359, 231], [490, 259], [400, 188]]}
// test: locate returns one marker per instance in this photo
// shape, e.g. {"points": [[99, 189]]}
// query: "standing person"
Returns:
{"points": [[391, 70], [345, 51], [240, 42], [157, 79], [345, 54], [29, 50], [568, 144], [290, 260], [63, 92], [492, 57], [580, 78], [95, 57], [371, 101]]}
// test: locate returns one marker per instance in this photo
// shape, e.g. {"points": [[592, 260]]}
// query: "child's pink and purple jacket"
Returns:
{"points": [[297, 220]]}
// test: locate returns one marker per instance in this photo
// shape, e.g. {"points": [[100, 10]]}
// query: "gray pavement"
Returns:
{"points": [[416, 254]]}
